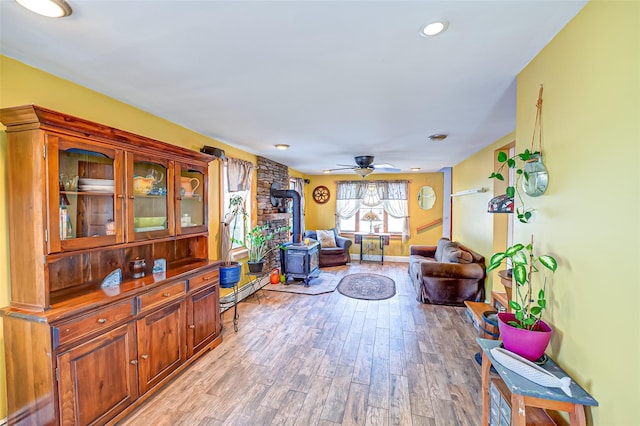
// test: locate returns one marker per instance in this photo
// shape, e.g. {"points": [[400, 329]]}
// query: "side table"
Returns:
{"points": [[383, 240], [527, 393]]}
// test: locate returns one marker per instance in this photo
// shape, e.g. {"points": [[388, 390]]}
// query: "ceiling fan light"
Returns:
{"points": [[363, 171], [48, 8], [282, 146]]}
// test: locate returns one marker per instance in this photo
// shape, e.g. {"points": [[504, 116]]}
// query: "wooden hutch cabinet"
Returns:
{"points": [[86, 202]]}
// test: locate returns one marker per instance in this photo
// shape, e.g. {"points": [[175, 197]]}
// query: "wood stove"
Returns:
{"points": [[300, 261]]}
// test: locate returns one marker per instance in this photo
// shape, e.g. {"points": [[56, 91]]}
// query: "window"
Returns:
{"points": [[374, 206], [238, 224], [372, 218]]}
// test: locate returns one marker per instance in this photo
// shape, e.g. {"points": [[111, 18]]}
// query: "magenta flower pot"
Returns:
{"points": [[528, 344]]}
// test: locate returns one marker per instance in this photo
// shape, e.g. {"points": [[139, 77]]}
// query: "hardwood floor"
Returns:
{"points": [[330, 360]]}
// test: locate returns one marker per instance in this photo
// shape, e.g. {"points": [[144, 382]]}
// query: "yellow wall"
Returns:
{"points": [[322, 216], [589, 216]]}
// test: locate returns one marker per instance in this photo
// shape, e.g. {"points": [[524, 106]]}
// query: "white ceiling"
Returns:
{"points": [[333, 79]]}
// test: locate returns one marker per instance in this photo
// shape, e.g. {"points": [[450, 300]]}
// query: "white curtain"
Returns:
{"points": [[349, 196], [298, 186], [396, 204], [239, 175], [346, 209]]}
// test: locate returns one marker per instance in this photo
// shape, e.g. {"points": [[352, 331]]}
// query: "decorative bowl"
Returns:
{"points": [[146, 222]]}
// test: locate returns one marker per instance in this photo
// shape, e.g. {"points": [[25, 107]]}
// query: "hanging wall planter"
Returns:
{"points": [[528, 167], [536, 176]]}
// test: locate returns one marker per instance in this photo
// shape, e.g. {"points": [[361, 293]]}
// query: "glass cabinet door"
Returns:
{"points": [[191, 199], [150, 210], [85, 194]]}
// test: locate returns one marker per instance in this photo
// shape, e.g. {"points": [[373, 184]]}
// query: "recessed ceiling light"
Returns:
{"points": [[415, 169], [282, 146], [326, 171], [437, 137], [434, 28], [49, 8]]}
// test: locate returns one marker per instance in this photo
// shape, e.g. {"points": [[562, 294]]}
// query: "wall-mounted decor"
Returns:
{"points": [[321, 194], [426, 197]]}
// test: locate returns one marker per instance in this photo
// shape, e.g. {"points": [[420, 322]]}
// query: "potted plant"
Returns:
{"points": [[523, 330], [256, 242], [230, 270]]}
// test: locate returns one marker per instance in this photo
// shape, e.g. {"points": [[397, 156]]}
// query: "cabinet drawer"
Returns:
{"points": [[204, 279], [98, 320], [161, 295]]}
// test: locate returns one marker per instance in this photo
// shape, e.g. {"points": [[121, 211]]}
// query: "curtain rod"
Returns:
{"points": [[371, 181]]}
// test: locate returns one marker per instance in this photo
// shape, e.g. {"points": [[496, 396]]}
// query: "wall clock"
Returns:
{"points": [[321, 194]]}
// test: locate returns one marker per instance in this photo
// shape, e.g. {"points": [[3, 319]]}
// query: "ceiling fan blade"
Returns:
{"points": [[347, 165], [386, 167], [342, 168]]}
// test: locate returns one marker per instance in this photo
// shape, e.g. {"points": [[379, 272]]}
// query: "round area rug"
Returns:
{"points": [[367, 286]]}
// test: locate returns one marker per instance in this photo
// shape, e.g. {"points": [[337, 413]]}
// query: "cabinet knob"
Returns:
{"points": [[166, 294], [206, 278], [144, 356], [102, 320], [134, 361], [192, 326], [131, 197], [120, 196]]}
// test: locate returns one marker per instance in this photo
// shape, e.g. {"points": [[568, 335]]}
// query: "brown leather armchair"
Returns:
{"points": [[333, 256], [447, 274]]}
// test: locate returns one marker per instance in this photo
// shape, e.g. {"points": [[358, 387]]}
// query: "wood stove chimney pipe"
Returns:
{"points": [[276, 192]]}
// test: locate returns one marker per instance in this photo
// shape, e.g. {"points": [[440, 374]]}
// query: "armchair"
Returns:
{"points": [[333, 256]]}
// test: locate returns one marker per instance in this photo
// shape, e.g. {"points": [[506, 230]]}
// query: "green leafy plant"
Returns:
{"points": [[528, 311], [517, 163], [256, 241]]}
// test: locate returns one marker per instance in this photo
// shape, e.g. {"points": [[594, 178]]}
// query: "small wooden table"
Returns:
{"points": [[527, 393]]}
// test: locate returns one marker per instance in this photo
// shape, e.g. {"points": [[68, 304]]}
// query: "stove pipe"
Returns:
{"points": [[290, 193]]}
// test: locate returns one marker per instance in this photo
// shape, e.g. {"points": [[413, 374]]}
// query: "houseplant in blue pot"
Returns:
{"points": [[523, 331], [230, 270]]}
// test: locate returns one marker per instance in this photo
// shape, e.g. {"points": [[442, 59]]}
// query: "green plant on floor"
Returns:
{"points": [[528, 311]]}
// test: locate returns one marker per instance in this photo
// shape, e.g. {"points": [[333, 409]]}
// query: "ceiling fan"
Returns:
{"points": [[364, 166]]}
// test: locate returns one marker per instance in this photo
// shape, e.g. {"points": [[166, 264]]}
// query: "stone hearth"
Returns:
{"points": [[269, 172]]}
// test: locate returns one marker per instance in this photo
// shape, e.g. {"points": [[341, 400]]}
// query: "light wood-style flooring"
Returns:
{"points": [[330, 360]]}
